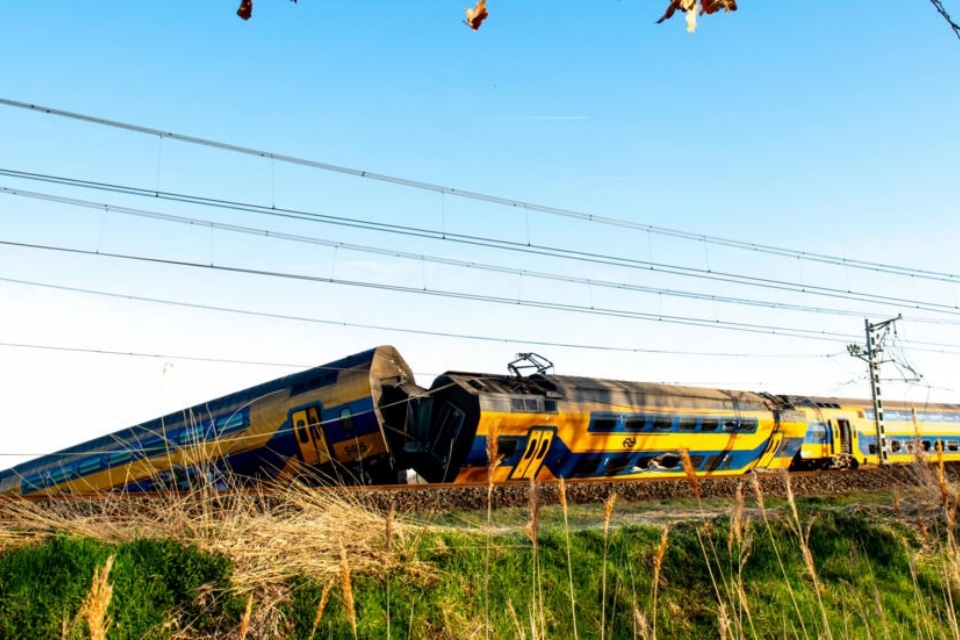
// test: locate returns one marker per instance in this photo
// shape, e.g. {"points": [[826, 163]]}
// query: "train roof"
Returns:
{"points": [[601, 390], [830, 402]]}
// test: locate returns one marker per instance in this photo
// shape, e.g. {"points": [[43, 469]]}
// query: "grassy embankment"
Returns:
{"points": [[318, 566]]}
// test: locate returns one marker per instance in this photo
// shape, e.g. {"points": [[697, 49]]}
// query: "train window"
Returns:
{"points": [[527, 403], [585, 466], [635, 424], [603, 423], [191, 435], [895, 446], [713, 462], [617, 465], [926, 445], [233, 422], [709, 424], [748, 425], [120, 457], [662, 423], [88, 466], [302, 434], [951, 445], [34, 483], [550, 406], [506, 447], [153, 445], [696, 461], [687, 424], [346, 419]]}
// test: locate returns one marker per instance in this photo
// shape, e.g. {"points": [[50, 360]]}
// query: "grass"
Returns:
{"points": [[311, 565]]}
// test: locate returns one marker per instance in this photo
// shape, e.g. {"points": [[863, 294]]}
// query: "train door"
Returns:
{"points": [[308, 429], [843, 425], [538, 443]]}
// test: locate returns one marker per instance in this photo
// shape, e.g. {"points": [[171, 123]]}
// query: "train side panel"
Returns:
{"points": [[549, 427], [325, 420]]}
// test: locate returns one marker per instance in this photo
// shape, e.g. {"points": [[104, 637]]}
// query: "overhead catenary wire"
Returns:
{"points": [[532, 249], [792, 332], [508, 202], [420, 257]]}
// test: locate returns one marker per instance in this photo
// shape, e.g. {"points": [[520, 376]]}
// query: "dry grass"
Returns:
{"points": [[294, 531], [97, 601]]}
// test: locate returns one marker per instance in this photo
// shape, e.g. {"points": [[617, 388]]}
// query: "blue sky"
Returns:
{"points": [[824, 128]]}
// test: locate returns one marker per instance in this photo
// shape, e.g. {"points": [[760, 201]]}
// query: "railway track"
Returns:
{"points": [[444, 498]]}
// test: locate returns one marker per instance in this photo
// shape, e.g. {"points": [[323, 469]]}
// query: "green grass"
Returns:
{"points": [[875, 574], [158, 585]]}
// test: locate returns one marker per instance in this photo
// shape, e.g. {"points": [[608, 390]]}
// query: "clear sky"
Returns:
{"points": [[795, 130]]}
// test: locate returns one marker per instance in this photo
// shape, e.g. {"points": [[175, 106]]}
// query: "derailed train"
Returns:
{"points": [[364, 420]]}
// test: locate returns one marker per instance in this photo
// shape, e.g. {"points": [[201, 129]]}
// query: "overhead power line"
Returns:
{"points": [[507, 202], [419, 257], [459, 295], [493, 243], [394, 329]]}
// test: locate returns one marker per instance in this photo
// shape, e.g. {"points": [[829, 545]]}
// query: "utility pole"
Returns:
{"points": [[876, 336]]}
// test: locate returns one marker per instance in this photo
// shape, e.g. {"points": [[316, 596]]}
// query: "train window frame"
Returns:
{"points": [[687, 423], [527, 404], [604, 423], [346, 420], [300, 428], [117, 458], [616, 465], [507, 446], [662, 423], [89, 465]]}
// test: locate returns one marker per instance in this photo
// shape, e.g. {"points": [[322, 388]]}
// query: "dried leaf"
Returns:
{"points": [[476, 14], [690, 8], [683, 5], [246, 9], [712, 6]]}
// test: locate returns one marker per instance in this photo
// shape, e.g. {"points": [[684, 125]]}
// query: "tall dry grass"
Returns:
{"points": [[271, 538], [97, 602]]}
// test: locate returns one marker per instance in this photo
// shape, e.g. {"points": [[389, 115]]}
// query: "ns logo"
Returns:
{"points": [[629, 442]]}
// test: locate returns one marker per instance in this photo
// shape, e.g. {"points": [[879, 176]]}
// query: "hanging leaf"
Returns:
{"points": [[476, 14], [712, 6], [687, 6], [246, 9], [690, 8]]}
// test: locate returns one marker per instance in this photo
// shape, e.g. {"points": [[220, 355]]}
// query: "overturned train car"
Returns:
{"points": [[330, 422]]}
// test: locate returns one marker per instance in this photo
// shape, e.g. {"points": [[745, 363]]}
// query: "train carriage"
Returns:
{"points": [[843, 432], [330, 421], [363, 419], [548, 426]]}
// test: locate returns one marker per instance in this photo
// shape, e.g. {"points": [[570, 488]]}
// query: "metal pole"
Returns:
{"points": [[874, 365]]}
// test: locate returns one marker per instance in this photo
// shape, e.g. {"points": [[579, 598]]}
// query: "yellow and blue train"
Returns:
{"points": [[364, 420], [327, 422]]}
